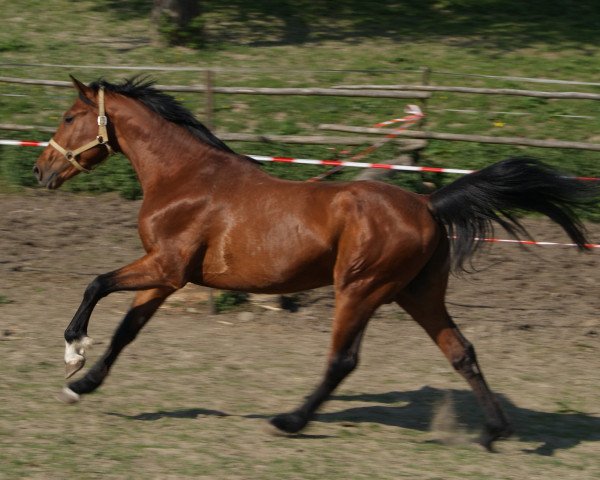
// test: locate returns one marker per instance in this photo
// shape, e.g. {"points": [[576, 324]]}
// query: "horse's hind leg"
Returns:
{"points": [[351, 317], [423, 299], [144, 306]]}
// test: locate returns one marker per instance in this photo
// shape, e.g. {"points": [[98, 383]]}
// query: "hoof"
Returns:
{"points": [[289, 422], [75, 355], [68, 396], [493, 433], [74, 366]]}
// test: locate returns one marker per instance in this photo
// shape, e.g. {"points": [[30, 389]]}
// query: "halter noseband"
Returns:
{"points": [[101, 139]]}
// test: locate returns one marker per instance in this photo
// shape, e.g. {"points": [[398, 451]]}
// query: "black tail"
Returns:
{"points": [[469, 206]]}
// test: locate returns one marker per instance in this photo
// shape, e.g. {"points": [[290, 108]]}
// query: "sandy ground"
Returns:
{"points": [[533, 315]]}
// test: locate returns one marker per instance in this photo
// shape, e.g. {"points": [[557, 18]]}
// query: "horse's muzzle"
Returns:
{"points": [[51, 181]]}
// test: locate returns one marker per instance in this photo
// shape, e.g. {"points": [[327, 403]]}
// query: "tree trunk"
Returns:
{"points": [[179, 22], [181, 11]]}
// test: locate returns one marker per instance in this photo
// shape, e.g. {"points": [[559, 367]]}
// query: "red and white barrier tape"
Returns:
{"points": [[341, 163], [23, 143], [414, 114], [385, 166], [310, 161], [26, 143], [533, 242], [307, 161], [409, 119]]}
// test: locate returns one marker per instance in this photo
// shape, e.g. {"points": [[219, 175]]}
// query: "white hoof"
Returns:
{"points": [[75, 355], [68, 396]]}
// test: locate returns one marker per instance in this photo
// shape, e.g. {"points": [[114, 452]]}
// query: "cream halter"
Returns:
{"points": [[101, 139]]}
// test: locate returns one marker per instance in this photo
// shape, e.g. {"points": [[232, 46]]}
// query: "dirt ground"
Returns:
{"points": [[188, 399]]}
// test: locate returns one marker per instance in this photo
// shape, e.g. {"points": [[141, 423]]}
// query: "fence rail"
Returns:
{"points": [[382, 91], [416, 71], [334, 92], [476, 90], [418, 92], [456, 137]]}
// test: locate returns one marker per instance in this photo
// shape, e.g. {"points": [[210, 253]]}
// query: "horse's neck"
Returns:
{"points": [[164, 154]]}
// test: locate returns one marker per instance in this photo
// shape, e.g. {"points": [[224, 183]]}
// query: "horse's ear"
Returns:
{"points": [[85, 92]]}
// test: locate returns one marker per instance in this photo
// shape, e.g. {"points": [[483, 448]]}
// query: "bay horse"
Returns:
{"points": [[212, 217]]}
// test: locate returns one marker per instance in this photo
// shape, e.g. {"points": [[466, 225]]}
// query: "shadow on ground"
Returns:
{"points": [[503, 25], [189, 413], [416, 409], [554, 431]]}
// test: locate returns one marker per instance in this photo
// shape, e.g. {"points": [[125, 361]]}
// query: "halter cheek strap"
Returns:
{"points": [[101, 139]]}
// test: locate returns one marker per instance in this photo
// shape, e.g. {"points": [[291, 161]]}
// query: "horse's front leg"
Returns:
{"points": [[143, 274], [144, 306]]}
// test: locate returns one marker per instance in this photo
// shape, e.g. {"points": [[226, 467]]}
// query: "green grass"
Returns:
{"points": [[229, 300], [320, 44], [4, 300]]}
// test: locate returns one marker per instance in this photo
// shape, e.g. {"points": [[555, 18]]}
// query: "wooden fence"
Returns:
{"points": [[209, 89], [419, 92]]}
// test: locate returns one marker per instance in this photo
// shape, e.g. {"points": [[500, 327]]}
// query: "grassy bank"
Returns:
{"points": [[303, 44]]}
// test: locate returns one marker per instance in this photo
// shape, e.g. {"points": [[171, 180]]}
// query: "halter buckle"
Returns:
{"points": [[102, 120]]}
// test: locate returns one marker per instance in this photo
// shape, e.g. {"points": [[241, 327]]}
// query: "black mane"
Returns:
{"points": [[142, 89]]}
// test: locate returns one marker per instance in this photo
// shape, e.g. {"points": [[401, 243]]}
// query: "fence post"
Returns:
{"points": [[209, 100], [212, 306], [425, 80], [425, 75]]}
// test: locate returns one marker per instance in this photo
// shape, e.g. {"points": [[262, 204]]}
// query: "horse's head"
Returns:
{"points": [[81, 141]]}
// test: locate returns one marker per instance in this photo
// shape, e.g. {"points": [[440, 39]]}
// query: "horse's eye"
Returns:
{"points": [[69, 119]]}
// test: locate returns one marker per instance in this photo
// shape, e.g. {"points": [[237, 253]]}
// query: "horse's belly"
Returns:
{"points": [[260, 270]]}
